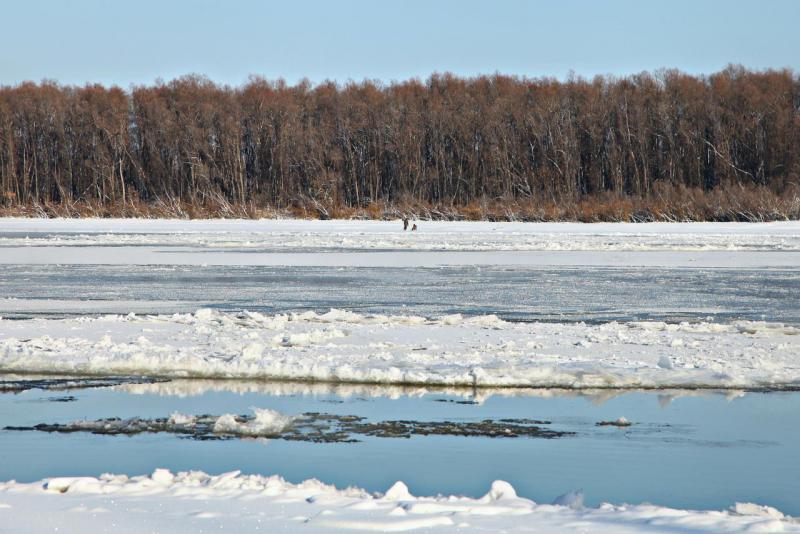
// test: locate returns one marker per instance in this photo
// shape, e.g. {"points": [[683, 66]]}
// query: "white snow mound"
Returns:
{"points": [[193, 501]]}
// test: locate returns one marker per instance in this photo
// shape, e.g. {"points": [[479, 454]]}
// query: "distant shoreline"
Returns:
{"points": [[752, 206]]}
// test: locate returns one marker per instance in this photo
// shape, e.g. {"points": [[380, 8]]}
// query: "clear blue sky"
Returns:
{"points": [[127, 42]]}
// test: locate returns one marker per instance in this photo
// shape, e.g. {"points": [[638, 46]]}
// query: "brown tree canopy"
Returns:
{"points": [[447, 142]]}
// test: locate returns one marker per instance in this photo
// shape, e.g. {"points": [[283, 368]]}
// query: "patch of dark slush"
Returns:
{"points": [[620, 423], [65, 398], [311, 426], [453, 401], [18, 385]]}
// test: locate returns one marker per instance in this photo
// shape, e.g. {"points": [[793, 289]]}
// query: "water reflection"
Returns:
{"points": [[685, 448], [597, 397]]}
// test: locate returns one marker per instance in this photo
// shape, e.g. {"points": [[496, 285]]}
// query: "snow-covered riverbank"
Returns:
{"points": [[195, 501]]}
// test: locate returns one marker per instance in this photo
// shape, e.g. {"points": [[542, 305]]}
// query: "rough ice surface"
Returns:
{"points": [[194, 501], [265, 423], [177, 418], [453, 350]]}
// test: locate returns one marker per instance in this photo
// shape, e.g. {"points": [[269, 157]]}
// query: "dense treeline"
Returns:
{"points": [[665, 145]]}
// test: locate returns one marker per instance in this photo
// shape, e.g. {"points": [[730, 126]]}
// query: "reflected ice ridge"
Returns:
{"points": [[598, 397]]}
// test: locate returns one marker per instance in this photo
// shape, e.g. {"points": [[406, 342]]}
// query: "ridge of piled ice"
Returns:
{"points": [[454, 350]]}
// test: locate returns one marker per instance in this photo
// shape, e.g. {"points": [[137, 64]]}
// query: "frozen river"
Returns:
{"points": [[518, 293], [705, 317]]}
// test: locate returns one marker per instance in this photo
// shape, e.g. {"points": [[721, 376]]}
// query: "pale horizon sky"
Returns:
{"points": [[123, 42]]}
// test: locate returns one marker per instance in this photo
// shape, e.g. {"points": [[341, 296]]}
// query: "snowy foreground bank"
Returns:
{"points": [[195, 501], [342, 346]]}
